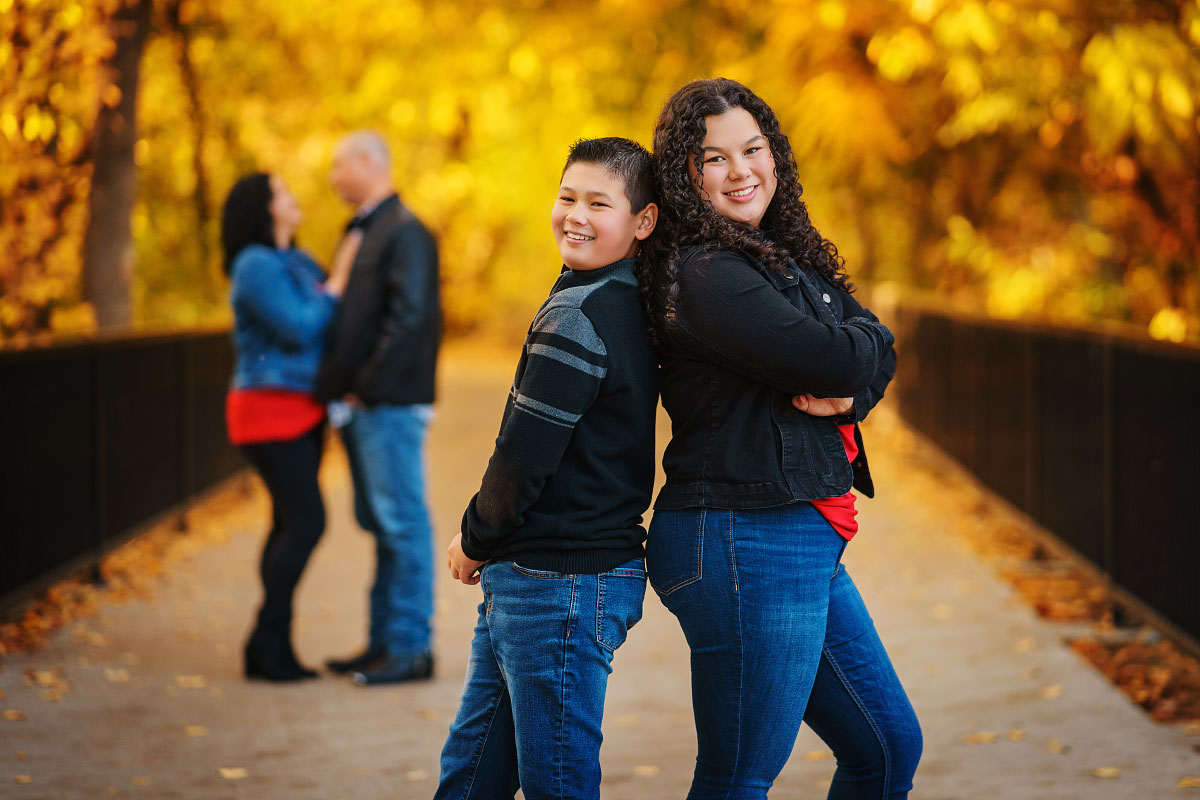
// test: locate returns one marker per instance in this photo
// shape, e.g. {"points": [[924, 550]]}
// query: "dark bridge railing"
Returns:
{"points": [[1095, 435], [100, 437]]}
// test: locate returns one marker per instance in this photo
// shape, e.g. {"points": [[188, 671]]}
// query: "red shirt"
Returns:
{"points": [[253, 416], [840, 511]]}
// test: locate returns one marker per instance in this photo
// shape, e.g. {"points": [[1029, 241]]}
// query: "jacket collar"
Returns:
{"points": [[364, 221]]}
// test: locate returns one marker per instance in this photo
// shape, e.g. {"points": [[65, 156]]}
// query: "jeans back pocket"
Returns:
{"points": [[674, 549], [619, 594]]}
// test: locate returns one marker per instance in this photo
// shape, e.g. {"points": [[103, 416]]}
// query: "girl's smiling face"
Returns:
{"points": [[738, 170], [593, 223]]}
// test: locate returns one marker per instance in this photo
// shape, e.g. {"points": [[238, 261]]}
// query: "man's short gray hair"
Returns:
{"points": [[371, 143]]}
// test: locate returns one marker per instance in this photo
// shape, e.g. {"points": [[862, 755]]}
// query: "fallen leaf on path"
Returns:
{"points": [[143, 780], [118, 675], [416, 775], [1025, 645], [1192, 729], [646, 770], [23, 779], [1107, 772], [39, 677], [1051, 692], [428, 713], [1188, 783], [818, 755], [1015, 735], [21, 755], [982, 737], [195, 730], [233, 773], [13, 715], [1056, 747], [51, 695]]}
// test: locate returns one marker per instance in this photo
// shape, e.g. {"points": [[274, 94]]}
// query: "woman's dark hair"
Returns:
{"points": [[246, 218], [686, 217]]}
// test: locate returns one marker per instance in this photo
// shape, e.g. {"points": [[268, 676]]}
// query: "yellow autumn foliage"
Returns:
{"points": [[1019, 156]]}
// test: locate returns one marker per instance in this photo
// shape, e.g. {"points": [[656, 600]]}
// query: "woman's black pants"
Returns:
{"points": [[289, 470]]}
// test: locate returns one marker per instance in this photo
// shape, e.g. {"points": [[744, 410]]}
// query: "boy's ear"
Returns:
{"points": [[649, 218]]}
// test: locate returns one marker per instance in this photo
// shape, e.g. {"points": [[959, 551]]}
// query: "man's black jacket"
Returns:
{"points": [[384, 339]]}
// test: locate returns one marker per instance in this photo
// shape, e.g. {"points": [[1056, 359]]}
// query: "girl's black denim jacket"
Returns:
{"points": [[743, 341]]}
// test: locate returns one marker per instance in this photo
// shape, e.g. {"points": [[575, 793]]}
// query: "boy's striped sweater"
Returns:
{"points": [[573, 468]]}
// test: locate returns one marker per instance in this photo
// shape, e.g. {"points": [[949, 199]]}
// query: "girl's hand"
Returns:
{"points": [[823, 406], [462, 568]]}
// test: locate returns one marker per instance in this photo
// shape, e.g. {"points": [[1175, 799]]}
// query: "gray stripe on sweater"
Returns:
{"points": [[566, 358], [546, 412], [562, 316]]}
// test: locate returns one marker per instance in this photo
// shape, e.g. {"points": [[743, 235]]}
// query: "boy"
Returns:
{"points": [[558, 517]]}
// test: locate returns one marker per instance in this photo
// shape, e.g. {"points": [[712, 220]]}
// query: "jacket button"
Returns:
{"points": [[825, 297]]}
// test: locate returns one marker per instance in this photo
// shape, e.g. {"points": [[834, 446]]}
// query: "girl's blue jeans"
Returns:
{"points": [[779, 635], [533, 699]]}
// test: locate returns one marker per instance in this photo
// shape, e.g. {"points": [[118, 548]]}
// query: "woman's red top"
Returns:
{"points": [[840, 511], [253, 416]]}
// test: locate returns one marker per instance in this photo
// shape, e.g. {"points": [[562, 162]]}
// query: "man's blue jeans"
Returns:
{"points": [[384, 444], [533, 699], [780, 635]]}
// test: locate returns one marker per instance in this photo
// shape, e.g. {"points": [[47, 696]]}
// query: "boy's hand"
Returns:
{"points": [[462, 568], [823, 406]]}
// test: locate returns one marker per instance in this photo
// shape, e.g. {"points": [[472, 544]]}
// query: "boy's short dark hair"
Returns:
{"points": [[626, 159]]}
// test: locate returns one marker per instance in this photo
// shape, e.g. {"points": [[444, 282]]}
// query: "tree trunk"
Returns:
{"points": [[191, 85], [108, 243]]}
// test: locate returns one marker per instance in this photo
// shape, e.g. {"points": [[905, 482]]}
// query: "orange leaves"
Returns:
{"points": [[1156, 676], [130, 572], [51, 57]]}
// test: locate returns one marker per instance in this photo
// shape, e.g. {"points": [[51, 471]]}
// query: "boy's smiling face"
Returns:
{"points": [[593, 223]]}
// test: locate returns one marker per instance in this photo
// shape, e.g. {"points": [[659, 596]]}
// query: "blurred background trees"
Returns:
{"points": [[1019, 157]]}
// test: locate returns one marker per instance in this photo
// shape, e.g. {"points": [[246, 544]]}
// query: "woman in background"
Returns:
{"points": [[282, 305]]}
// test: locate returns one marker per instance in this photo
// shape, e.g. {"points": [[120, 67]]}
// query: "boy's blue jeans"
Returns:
{"points": [[384, 444], [780, 635], [533, 699]]}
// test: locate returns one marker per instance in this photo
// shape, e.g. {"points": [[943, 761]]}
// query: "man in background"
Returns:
{"points": [[380, 361]]}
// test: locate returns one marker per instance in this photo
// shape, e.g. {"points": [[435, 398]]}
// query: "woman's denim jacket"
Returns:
{"points": [[281, 315]]}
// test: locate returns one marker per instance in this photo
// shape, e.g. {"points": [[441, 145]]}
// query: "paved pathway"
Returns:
{"points": [[155, 706]]}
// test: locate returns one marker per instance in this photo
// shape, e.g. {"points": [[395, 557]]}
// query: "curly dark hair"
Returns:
{"points": [[687, 217], [246, 218]]}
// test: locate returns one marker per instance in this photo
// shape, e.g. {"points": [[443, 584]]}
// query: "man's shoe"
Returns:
{"points": [[363, 660], [396, 669]]}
